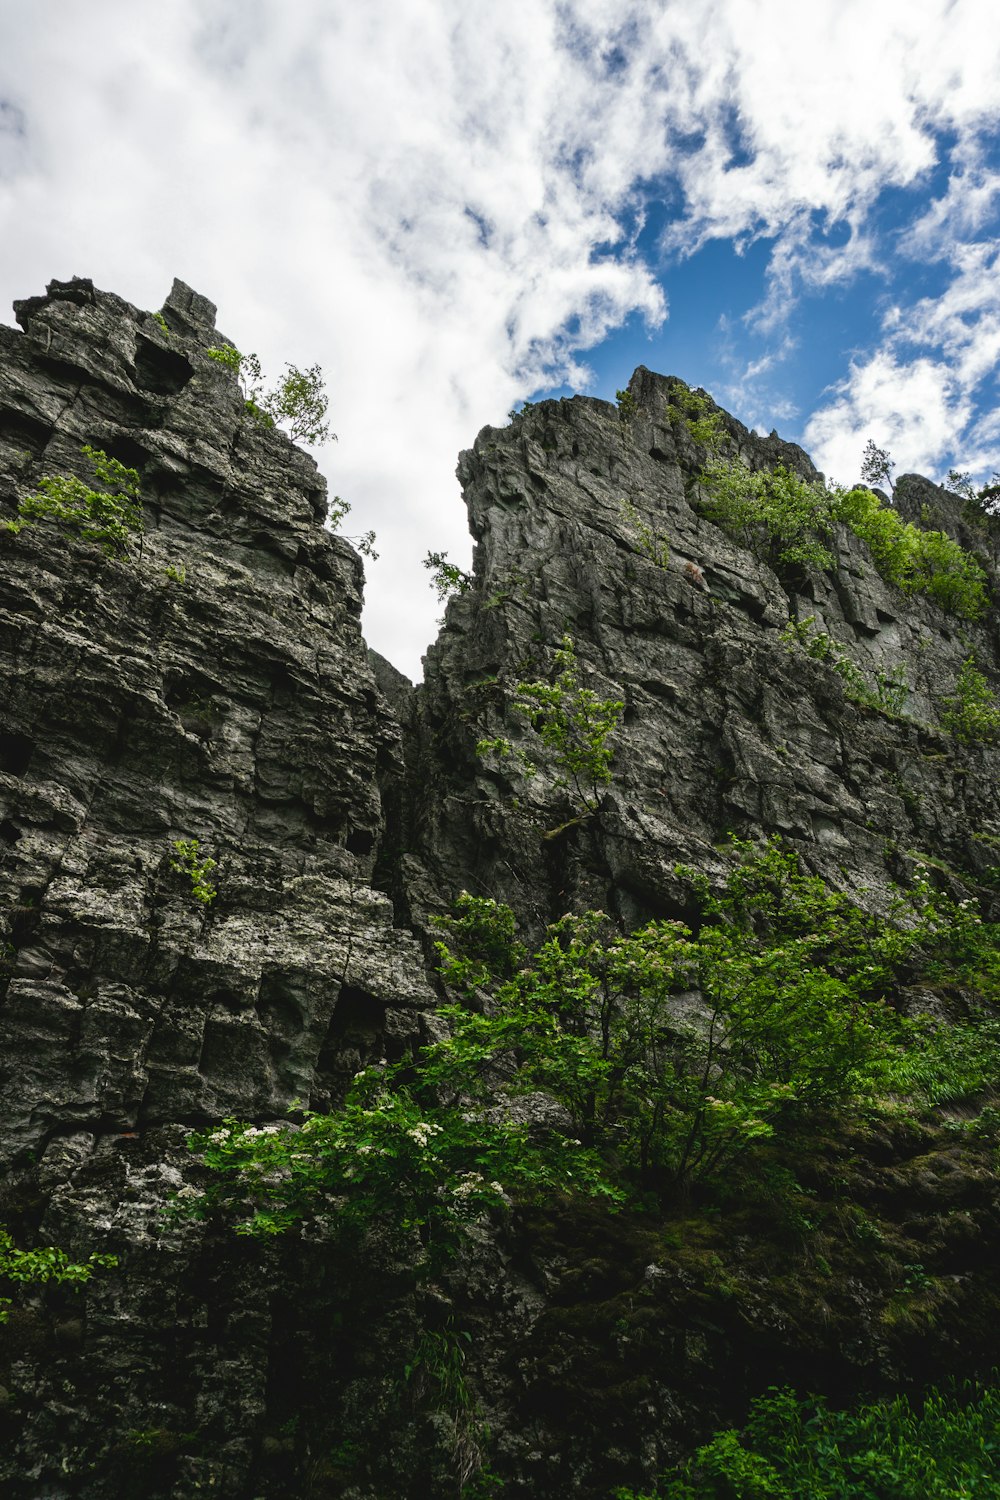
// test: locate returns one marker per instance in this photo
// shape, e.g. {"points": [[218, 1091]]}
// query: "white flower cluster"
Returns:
{"points": [[472, 1182], [253, 1133], [422, 1132]]}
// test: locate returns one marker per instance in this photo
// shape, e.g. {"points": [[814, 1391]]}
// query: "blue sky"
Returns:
{"points": [[454, 208]]}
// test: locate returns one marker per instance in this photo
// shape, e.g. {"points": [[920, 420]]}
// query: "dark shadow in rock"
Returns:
{"points": [[162, 371]]}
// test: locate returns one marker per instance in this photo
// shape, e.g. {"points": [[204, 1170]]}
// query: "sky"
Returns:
{"points": [[454, 206]]}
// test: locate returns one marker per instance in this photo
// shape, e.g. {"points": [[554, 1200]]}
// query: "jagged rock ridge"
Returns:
{"points": [[234, 702]]}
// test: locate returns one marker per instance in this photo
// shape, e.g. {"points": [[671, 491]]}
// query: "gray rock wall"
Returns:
{"points": [[233, 701], [727, 727]]}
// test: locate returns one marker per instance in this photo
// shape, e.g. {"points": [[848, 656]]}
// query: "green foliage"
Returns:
{"points": [[652, 544], [945, 1064], [175, 573], [298, 401], [887, 694], [960, 482], [46, 1264], [979, 501], [336, 511], [916, 561], [246, 367], [692, 408], [300, 404], [186, 862], [788, 520], [110, 515], [793, 984], [876, 465], [486, 946], [407, 1159], [626, 405], [776, 514], [571, 722], [946, 1447], [973, 712], [436, 1371], [365, 542], [660, 1058], [448, 579], [161, 323]]}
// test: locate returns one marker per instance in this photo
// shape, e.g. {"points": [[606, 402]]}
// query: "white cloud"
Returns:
{"points": [[925, 392], [426, 196], [909, 409]]}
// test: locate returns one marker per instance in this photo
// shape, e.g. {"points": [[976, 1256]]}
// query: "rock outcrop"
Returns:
{"points": [[728, 728], [215, 687]]}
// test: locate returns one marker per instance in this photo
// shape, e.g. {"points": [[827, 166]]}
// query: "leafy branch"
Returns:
{"points": [[110, 514]]}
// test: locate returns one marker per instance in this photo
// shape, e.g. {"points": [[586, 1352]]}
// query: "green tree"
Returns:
{"points": [[297, 402], [943, 1447], [784, 518], [876, 465], [448, 579], [973, 712]]}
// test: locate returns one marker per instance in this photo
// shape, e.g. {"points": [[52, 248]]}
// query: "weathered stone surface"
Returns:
{"points": [[234, 702], [727, 728]]}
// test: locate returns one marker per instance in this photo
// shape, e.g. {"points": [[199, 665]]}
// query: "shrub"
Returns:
{"points": [[793, 980], [793, 1017], [573, 723], [916, 561], [973, 713], [888, 693], [652, 544], [110, 515], [448, 579], [945, 1447], [299, 403], [876, 464], [786, 520], [407, 1158], [777, 514], [692, 409], [338, 510], [187, 863], [626, 405]]}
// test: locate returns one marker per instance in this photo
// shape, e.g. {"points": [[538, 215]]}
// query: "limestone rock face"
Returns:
{"points": [[228, 700], [728, 727], [214, 686]]}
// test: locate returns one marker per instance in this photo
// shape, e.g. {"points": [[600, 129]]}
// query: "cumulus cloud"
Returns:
{"points": [[431, 198], [927, 392]]}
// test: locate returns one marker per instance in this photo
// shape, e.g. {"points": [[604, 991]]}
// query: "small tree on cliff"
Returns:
{"points": [[297, 403]]}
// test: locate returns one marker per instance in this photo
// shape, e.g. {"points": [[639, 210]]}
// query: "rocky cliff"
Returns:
{"points": [[214, 686]]}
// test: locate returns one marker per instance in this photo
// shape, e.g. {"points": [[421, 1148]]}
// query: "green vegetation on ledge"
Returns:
{"points": [[572, 723], [945, 1447], [110, 514], [671, 1053], [297, 402], [788, 521], [45, 1264]]}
